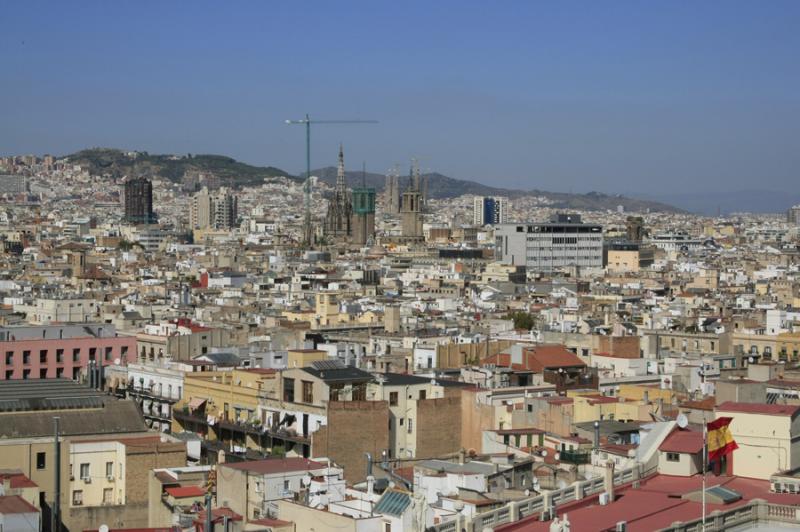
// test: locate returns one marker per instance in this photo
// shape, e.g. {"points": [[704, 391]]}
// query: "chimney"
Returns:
{"points": [[608, 481], [370, 485], [461, 456], [646, 397], [596, 434]]}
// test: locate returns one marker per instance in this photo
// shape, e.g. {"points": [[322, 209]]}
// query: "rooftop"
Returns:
{"points": [[759, 408], [272, 466]]}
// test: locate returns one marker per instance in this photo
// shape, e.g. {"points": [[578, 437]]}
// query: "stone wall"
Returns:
{"points": [[354, 428], [438, 426]]}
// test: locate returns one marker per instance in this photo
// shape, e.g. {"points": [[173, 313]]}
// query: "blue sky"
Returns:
{"points": [[618, 97]]}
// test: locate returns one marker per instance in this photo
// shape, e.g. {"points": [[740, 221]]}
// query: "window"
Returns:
{"points": [[109, 469], [77, 498], [423, 394], [84, 471], [26, 357], [673, 457], [108, 353], [9, 358], [76, 355], [59, 355], [43, 356], [392, 398], [108, 494], [41, 460], [92, 353], [288, 390], [410, 425], [308, 392], [285, 485]]}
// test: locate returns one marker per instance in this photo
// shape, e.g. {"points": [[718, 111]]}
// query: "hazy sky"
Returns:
{"points": [[618, 97]]}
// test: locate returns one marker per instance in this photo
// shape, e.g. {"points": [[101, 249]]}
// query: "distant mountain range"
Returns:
{"points": [[441, 186], [120, 163], [727, 202]]}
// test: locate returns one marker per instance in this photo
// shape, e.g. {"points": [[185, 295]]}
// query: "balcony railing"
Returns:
{"points": [[145, 391]]}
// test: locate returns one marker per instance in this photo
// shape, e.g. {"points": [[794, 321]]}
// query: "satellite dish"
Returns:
{"points": [[527, 493], [103, 528], [751, 360], [306, 480], [558, 456], [544, 452], [682, 420], [117, 361]]}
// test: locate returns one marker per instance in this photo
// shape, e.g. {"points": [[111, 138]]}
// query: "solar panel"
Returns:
{"points": [[726, 494], [328, 364]]}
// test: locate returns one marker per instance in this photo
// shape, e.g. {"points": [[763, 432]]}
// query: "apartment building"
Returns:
{"points": [[60, 351]]}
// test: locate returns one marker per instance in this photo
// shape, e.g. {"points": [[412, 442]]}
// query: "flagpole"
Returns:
{"points": [[705, 466]]}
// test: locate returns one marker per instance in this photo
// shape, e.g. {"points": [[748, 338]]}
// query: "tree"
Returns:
{"points": [[522, 320]]}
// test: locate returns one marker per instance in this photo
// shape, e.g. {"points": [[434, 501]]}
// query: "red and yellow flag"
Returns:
{"points": [[719, 439]]}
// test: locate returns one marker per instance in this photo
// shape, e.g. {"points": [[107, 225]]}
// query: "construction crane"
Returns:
{"points": [[308, 233]]}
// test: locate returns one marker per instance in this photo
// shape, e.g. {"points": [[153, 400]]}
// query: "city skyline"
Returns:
{"points": [[701, 97]]}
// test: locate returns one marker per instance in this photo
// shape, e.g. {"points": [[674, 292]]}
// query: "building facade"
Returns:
{"points": [[214, 210], [138, 201], [60, 352], [545, 247], [489, 211]]}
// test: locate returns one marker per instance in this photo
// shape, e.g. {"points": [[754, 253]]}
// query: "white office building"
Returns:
{"points": [[564, 242]]}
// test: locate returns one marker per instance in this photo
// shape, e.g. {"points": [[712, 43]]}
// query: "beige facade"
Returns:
{"points": [[623, 261], [97, 474], [768, 437]]}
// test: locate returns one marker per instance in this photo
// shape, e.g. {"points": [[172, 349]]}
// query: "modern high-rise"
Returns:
{"points": [[793, 215], [213, 210], [564, 242], [489, 211], [138, 201]]}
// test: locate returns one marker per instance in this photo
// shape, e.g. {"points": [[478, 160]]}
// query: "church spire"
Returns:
{"points": [[340, 180]]}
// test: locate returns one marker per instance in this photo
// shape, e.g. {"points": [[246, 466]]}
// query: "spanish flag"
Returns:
{"points": [[719, 439]]}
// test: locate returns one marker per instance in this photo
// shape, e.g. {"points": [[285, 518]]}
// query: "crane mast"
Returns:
{"points": [[308, 230]]}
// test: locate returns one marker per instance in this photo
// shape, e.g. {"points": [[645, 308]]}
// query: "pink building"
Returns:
{"points": [[60, 351]]}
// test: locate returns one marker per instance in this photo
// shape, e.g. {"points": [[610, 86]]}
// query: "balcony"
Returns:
{"points": [[575, 457], [144, 391], [572, 378]]}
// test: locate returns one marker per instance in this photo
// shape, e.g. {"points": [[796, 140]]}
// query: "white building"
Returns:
{"points": [[545, 247]]}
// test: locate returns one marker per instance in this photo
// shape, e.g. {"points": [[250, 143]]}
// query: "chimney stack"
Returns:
{"points": [[608, 482]]}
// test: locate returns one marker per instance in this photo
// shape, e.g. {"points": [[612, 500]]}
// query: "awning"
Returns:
{"points": [[196, 402]]}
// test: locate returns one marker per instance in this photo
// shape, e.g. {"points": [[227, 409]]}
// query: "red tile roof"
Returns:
{"points": [[272, 466], [180, 492], [14, 504], [655, 505], [17, 479], [538, 358], [759, 408], [683, 441]]}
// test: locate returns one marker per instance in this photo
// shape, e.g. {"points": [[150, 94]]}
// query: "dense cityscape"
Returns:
{"points": [[362, 266], [297, 356]]}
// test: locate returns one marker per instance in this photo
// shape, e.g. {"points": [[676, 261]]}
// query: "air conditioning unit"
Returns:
{"points": [[622, 526], [604, 498], [110, 478], [87, 480]]}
